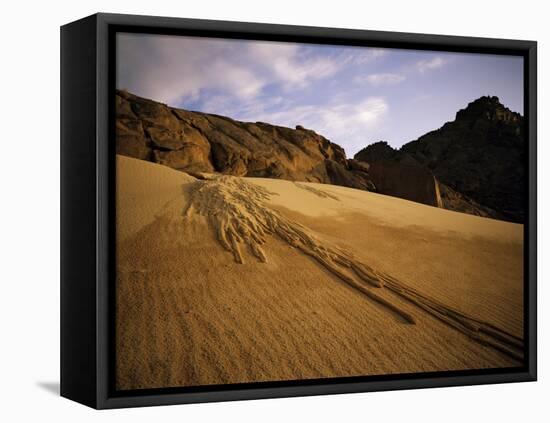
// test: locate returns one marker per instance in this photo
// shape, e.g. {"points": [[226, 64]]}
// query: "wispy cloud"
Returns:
{"points": [[425, 65], [328, 116], [249, 110], [170, 69], [287, 64], [351, 95], [380, 79], [349, 121]]}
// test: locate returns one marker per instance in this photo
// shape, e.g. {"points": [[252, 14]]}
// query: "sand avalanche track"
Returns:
{"points": [[238, 212]]}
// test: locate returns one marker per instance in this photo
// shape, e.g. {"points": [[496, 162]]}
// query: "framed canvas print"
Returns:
{"points": [[255, 211]]}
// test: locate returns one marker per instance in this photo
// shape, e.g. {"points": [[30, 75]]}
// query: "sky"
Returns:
{"points": [[353, 96]]}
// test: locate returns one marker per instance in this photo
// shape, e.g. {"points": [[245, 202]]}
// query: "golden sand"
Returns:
{"points": [[228, 280]]}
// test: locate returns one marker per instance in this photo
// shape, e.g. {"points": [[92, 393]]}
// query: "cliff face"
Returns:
{"points": [[399, 174], [477, 159], [406, 181], [480, 154], [200, 142]]}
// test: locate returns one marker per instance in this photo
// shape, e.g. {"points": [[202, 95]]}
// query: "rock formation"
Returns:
{"points": [[406, 181], [398, 174], [477, 159], [199, 142], [481, 155], [472, 165]]}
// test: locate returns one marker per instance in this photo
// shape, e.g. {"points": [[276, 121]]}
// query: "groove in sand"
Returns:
{"points": [[316, 191], [237, 211]]}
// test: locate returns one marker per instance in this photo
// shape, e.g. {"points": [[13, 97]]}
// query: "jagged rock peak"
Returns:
{"points": [[490, 108], [375, 152], [479, 156]]}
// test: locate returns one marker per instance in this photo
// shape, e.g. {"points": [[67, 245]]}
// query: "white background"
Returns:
{"points": [[29, 189]]}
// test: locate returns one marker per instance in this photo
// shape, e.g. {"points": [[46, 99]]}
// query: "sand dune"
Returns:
{"points": [[224, 280]]}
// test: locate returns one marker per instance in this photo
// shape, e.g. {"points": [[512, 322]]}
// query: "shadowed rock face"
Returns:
{"points": [[406, 181], [199, 142], [481, 155], [477, 159], [399, 174]]}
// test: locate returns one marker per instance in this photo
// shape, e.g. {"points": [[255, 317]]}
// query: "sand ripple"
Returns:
{"points": [[238, 212]]}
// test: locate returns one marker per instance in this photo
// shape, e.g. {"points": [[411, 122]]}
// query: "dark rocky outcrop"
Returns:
{"points": [[200, 142], [481, 155], [397, 173], [376, 152], [411, 182], [477, 160]]}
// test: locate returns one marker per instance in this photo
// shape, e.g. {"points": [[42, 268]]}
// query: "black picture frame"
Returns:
{"points": [[87, 209]]}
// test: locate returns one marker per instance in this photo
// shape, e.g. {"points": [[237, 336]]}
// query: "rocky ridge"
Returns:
{"points": [[200, 142], [473, 164], [477, 160]]}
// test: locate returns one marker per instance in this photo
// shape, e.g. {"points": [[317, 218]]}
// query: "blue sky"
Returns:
{"points": [[354, 96]]}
